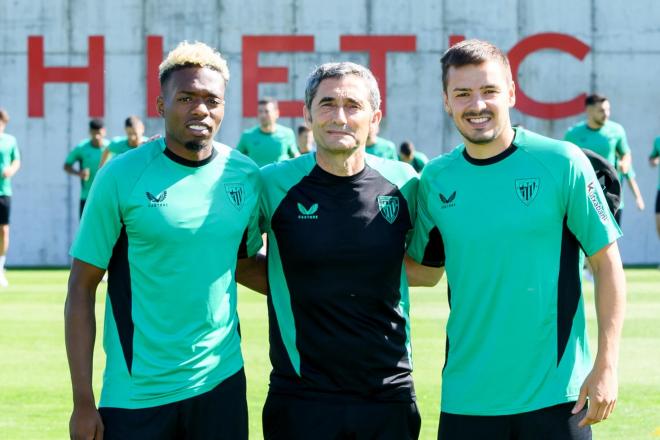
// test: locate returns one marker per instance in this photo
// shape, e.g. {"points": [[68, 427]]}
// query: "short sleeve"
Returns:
{"points": [[292, 149], [426, 245], [15, 153], [101, 222], [588, 216], [656, 148], [622, 146], [242, 145], [253, 238], [73, 156]]}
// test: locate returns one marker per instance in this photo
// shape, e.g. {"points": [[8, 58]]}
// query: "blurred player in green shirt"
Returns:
{"points": [[601, 135], [10, 162], [88, 156], [654, 160], [409, 154], [379, 146], [268, 142], [134, 138]]}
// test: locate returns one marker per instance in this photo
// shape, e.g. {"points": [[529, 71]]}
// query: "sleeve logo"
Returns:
{"points": [[527, 190], [236, 194], [389, 207], [595, 201]]}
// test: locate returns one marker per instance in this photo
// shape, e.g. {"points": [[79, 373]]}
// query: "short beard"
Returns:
{"points": [[195, 146]]}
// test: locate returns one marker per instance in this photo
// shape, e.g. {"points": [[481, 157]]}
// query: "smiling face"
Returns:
{"points": [[340, 115], [192, 105], [478, 98]]}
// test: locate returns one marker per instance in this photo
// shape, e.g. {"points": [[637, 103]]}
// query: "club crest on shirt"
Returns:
{"points": [[527, 189], [156, 200], [236, 194], [389, 207]]}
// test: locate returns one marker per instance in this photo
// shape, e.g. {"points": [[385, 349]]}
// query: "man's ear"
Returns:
{"points": [[445, 103], [160, 105], [308, 116]]}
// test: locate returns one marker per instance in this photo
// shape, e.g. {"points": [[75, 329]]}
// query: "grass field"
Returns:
{"points": [[35, 397]]}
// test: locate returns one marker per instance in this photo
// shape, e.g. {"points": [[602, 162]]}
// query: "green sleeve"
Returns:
{"points": [[588, 216], [101, 222], [410, 190], [568, 136], [656, 148], [73, 156], [242, 145], [622, 146], [293, 147], [15, 153], [254, 241], [424, 246]]}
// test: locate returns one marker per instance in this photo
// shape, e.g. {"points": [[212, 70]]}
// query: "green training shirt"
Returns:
{"points": [[169, 230], [656, 153], [338, 304], [609, 141], [8, 154], [509, 230], [266, 148], [383, 148], [119, 145], [87, 156]]}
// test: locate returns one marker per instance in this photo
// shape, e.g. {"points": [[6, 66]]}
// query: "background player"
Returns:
{"points": [[517, 362], [268, 142], [134, 138], [305, 140], [654, 160], [10, 162], [87, 154], [409, 154], [182, 205], [379, 146], [601, 135]]}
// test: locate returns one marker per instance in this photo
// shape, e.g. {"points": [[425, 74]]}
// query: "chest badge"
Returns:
{"points": [[527, 189], [389, 207], [236, 194]]}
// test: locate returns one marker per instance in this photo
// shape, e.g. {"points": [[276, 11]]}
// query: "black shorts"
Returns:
{"points": [[657, 202], [618, 216], [5, 208], [219, 414], [551, 423], [296, 418]]}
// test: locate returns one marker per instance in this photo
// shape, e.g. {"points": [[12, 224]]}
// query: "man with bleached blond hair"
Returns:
{"points": [[168, 221]]}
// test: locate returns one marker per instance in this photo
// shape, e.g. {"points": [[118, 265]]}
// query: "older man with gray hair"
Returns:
{"points": [[339, 328]]}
